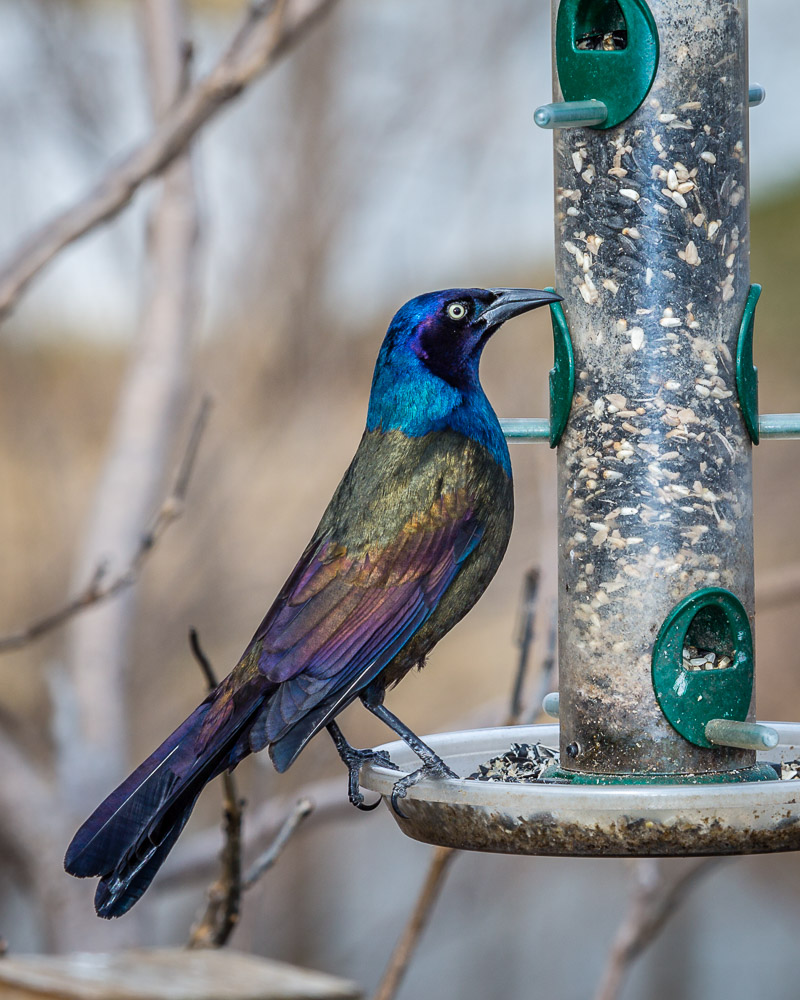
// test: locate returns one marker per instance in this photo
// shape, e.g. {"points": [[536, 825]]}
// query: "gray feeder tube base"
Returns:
{"points": [[654, 468]]}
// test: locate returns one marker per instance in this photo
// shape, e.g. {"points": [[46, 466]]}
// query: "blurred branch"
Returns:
{"points": [[269, 31], [194, 857], [654, 899], [302, 810], [439, 865], [99, 588], [224, 896], [202, 660], [546, 669], [524, 641], [26, 805], [147, 415], [32, 837], [407, 945]]}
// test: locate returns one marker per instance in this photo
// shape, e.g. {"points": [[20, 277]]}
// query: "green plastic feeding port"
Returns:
{"points": [[562, 374], [607, 51], [703, 663], [746, 371]]}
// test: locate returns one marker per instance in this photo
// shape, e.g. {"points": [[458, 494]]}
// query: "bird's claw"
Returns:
{"points": [[354, 763], [358, 801], [430, 769]]}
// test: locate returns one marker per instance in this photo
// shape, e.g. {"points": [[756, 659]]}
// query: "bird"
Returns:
{"points": [[414, 533]]}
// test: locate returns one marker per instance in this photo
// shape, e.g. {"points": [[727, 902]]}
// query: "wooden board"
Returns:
{"points": [[165, 974]]}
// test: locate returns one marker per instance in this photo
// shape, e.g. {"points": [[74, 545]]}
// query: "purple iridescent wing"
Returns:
{"points": [[342, 617]]}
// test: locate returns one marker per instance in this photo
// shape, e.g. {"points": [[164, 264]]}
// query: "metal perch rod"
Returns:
{"points": [[776, 426]]}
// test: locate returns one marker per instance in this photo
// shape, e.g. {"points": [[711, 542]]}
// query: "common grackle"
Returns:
{"points": [[414, 533]]}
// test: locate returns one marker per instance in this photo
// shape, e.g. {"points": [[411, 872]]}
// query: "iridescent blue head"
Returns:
{"points": [[426, 377]]}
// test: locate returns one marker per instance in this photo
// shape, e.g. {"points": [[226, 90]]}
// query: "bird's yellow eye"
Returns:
{"points": [[457, 310]]}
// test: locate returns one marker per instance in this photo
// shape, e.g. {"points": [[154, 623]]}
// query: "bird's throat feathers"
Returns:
{"points": [[408, 397]]}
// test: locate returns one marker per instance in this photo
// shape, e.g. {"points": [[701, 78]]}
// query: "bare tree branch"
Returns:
{"points": [[524, 641], [224, 896], [546, 670], [221, 915], [26, 804], [147, 415], [302, 810], [99, 587], [268, 32], [407, 945], [654, 899], [440, 862], [202, 660], [194, 858]]}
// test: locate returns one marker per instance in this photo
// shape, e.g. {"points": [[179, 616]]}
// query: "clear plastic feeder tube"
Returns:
{"points": [[654, 468]]}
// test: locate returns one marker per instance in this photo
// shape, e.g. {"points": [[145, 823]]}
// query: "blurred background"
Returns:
{"points": [[392, 151]]}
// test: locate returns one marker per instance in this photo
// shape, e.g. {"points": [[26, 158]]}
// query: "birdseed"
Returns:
{"points": [[523, 762], [790, 769]]}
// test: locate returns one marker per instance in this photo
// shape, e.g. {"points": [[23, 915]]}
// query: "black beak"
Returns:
{"points": [[511, 302]]}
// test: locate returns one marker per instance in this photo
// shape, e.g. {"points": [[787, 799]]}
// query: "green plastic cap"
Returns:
{"points": [[606, 50]]}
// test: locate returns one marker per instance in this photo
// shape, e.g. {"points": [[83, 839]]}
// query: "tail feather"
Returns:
{"points": [[121, 888], [127, 838]]}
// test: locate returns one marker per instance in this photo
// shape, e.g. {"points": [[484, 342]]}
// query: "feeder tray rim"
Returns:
{"points": [[581, 820], [496, 740]]}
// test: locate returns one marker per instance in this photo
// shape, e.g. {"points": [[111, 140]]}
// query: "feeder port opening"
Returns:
{"points": [[600, 25]]}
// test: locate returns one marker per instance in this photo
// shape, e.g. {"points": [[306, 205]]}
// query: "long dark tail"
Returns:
{"points": [[128, 836]]}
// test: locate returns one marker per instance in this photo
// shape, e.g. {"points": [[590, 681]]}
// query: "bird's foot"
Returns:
{"points": [[354, 759], [434, 767]]}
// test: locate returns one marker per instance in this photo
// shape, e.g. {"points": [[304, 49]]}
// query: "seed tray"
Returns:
{"points": [[537, 818]]}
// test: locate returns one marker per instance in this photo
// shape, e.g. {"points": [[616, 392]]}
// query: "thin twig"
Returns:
{"points": [[302, 810], [202, 660], [524, 641], [142, 437], [257, 46], [99, 589], [406, 946], [224, 895], [654, 899], [199, 654], [195, 856], [187, 463], [547, 668], [443, 856]]}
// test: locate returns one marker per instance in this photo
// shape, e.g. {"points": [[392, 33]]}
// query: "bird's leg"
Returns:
{"points": [[432, 764], [353, 760]]}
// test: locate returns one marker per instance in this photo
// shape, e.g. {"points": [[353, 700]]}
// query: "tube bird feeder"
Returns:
{"points": [[654, 414]]}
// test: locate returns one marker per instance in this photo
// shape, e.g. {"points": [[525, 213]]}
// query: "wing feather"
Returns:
{"points": [[342, 617]]}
